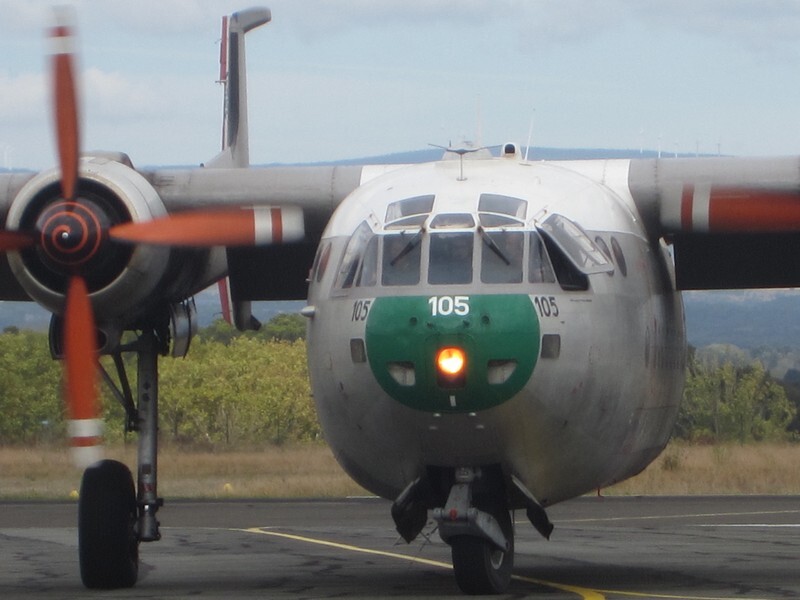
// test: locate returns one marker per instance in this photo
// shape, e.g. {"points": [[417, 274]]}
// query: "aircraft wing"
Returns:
{"points": [[311, 191], [733, 223], [315, 190]]}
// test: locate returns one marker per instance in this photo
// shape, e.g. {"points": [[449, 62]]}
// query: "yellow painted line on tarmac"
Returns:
{"points": [[671, 596], [602, 594], [584, 593], [348, 547]]}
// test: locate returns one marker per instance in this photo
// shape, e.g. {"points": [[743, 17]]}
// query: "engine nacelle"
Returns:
{"points": [[72, 238]]}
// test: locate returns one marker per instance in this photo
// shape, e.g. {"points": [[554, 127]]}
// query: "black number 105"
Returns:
{"points": [[546, 306]]}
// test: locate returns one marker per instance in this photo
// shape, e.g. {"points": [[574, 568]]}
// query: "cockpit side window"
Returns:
{"points": [[368, 274], [352, 256], [576, 245], [501, 256], [569, 277], [321, 261], [401, 258], [451, 258], [539, 268]]}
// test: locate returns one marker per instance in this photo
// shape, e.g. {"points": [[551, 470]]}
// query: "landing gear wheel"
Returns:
{"points": [[481, 568], [107, 543]]}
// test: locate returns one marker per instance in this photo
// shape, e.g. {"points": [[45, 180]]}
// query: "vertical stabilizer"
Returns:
{"points": [[235, 139], [235, 142]]}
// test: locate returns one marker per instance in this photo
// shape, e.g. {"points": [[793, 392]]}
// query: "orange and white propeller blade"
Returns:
{"points": [[222, 227], [80, 359], [15, 240], [65, 104]]}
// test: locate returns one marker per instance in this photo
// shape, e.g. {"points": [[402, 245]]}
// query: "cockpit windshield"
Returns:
{"points": [[501, 256], [450, 259], [401, 258], [490, 246]]}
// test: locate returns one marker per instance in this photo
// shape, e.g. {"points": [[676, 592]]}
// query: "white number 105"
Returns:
{"points": [[449, 305]]}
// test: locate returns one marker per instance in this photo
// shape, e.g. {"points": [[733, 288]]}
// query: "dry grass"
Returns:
{"points": [[303, 471], [310, 471], [721, 469]]}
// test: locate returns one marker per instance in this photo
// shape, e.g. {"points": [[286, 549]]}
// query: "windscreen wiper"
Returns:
{"points": [[493, 245], [412, 243]]}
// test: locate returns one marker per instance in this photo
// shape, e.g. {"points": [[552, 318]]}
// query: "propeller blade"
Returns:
{"points": [[80, 358], [231, 227], [65, 105], [15, 240]]}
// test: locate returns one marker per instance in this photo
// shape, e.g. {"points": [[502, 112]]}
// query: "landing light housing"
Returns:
{"points": [[451, 367]]}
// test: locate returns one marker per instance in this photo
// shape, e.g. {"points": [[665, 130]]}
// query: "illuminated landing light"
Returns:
{"points": [[451, 369], [450, 361]]}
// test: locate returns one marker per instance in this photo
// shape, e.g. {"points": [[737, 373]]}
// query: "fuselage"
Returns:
{"points": [[542, 274]]}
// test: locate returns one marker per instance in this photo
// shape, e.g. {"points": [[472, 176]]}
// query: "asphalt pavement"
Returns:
{"points": [[677, 548]]}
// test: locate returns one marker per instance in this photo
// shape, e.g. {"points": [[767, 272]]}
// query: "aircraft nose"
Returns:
{"points": [[452, 353]]}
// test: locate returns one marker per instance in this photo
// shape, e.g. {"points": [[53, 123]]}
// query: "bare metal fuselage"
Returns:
{"points": [[603, 395]]}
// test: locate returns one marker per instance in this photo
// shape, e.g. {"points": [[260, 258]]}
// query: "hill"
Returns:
{"points": [[747, 319]]}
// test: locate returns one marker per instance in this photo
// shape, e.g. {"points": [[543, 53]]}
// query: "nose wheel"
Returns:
{"points": [[480, 566], [477, 525]]}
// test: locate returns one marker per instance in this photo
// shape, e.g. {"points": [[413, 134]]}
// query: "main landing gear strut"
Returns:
{"points": [[112, 517]]}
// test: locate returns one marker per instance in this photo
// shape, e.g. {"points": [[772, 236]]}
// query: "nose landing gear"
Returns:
{"points": [[480, 566], [480, 533]]}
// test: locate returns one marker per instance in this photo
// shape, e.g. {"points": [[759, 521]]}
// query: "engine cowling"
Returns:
{"points": [[72, 238]]}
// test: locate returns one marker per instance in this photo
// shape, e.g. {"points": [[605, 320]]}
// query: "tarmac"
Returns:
{"points": [[616, 548]]}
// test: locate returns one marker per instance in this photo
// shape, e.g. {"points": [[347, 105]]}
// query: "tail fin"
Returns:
{"points": [[235, 139]]}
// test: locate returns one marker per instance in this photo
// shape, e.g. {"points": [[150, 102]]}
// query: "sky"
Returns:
{"points": [[335, 79]]}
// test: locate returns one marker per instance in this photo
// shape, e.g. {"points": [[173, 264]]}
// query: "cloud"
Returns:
{"points": [[22, 96], [334, 14], [155, 17], [113, 94], [758, 24]]}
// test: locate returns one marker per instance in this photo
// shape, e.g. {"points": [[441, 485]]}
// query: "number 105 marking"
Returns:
{"points": [[546, 306], [449, 305]]}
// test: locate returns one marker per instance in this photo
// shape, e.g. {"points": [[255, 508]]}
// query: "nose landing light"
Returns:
{"points": [[451, 369]]}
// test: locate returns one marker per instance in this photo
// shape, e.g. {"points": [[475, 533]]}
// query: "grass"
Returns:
{"points": [[309, 470], [766, 468], [303, 471]]}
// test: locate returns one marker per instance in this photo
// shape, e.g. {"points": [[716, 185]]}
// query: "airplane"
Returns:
{"points": [[485, 334]]}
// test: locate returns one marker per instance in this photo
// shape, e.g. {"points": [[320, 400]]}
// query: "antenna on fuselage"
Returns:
{"points": [[461, 151], [530, 135]]}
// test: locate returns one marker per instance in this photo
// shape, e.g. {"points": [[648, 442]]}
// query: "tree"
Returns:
{"points": [[725, 403], [30, 389], [285, 326], [248, 391]]}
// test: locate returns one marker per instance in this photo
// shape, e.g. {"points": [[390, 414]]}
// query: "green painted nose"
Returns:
{"points": [[496, 338]]}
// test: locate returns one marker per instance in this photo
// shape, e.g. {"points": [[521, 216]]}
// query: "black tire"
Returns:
{"points": [[481, 568], [107, 543]]}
